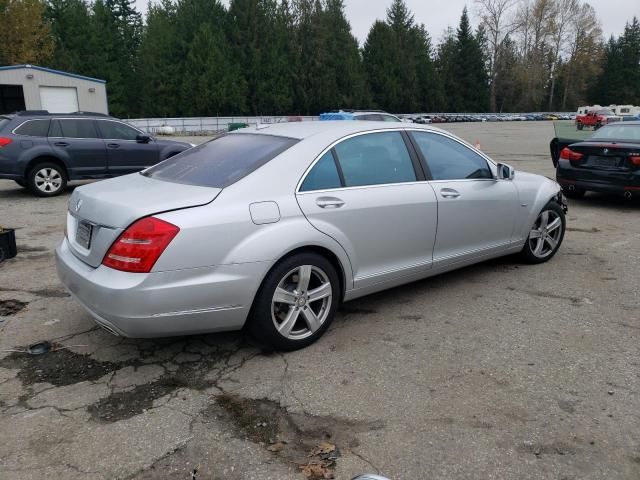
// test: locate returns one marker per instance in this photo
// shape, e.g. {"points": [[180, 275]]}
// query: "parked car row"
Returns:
{"points": [[501, 117]]}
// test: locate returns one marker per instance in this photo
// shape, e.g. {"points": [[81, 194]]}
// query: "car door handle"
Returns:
{"points": [[113, 145], [449, 193], [329, 202], [61, 144]]}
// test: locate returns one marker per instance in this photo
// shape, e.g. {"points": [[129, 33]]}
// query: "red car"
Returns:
{"points": [[596, 119]]}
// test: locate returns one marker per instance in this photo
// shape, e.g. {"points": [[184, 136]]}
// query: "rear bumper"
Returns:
{"points": [[597, 180], [182, 302]]}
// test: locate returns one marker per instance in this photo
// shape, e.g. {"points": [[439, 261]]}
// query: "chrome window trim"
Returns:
{"points": [[396, 129], [13, 132]]}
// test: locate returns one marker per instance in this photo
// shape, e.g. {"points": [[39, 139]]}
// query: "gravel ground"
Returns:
{"points": [[500, 370]]}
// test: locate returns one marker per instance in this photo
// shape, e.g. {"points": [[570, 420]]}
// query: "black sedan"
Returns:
{"points": [[608, 161]]}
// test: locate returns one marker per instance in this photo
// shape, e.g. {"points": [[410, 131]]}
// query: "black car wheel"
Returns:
{"points": [[296, 303], [47, 179]]}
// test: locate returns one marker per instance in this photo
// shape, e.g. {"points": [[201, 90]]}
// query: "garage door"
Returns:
{"points": [[59, 99]]}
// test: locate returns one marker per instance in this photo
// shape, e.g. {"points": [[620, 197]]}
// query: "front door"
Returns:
{"points": [[126, 154], [367, 194], [476, 212]]}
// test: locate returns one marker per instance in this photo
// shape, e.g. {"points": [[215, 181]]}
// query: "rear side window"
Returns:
{"points": [[222, 161], [33, 128], [323, 175], [375, 159], [70, 128], [450, 160]]}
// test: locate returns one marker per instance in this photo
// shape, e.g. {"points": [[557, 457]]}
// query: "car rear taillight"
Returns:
{"points": [[138, 248], [634, 158], [568, 154], [4, 141]]}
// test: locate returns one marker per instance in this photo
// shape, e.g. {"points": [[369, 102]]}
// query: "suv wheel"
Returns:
{"points": [[47, 179]]}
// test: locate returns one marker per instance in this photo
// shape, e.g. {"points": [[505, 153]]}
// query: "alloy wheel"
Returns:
{"points": [[545, 234], [301, 302], [48, 180]]}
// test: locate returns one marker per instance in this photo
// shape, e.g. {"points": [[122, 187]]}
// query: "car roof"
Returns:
{"points": [[303, 130], [43, 114]]}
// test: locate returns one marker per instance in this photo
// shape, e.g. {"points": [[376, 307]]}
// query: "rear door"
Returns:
{"points": [[77, 140], [476, 212], [369, 194], [125, 153]]}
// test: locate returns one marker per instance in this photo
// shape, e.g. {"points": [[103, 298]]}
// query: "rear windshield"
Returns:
{"points": [[222, 161], [629, 133]]}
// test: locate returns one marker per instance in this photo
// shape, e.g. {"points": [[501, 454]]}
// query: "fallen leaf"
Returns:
{"points": [[316, 471], [323, 448], [276, 447]]}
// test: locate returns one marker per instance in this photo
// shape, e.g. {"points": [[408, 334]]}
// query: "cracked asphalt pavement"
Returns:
{"points": [[500, 370]]}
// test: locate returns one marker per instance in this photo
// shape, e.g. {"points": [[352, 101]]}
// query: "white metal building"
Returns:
{"points": [[28, 87]]}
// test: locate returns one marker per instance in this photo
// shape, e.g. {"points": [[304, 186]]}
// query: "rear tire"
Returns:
{"points": [[580, 126], [296, 302], [576, 193], [47, 179], [546, 234]]}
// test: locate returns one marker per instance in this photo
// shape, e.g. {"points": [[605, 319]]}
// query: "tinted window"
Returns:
{"points": [[34, 128], [74, 129], [618, 132], [372, 117], [323, 175], [374, 159], [117, 130], [389, 118], [221, 161], [450, 160]]}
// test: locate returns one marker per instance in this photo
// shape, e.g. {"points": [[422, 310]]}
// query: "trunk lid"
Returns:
{"points": [[609, 157], [100, 212]]}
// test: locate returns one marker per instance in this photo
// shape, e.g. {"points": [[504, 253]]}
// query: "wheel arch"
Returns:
{"points": [[46, 159]]}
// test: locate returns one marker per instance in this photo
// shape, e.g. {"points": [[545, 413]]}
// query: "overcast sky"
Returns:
{"points": [[437, 15]]}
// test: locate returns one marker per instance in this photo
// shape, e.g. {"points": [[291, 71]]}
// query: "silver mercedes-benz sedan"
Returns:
{"points": [[271, 228]]}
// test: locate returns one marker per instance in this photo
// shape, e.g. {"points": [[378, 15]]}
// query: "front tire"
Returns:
{"points": [[580, 126], [296, 303], [47, 179], [546, 234]]}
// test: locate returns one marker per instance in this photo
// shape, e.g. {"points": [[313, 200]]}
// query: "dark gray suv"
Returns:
{"points": [[43, 151]]}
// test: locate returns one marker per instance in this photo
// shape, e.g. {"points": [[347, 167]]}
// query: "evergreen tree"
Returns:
{"points": [[26, 36], [71, 27]]}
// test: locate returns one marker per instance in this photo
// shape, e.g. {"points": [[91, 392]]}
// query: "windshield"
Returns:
{"points": [[619, 131], [221, 161]]}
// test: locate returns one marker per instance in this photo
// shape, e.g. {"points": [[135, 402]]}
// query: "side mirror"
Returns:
{"points": [[143, 138], [505, 172]]}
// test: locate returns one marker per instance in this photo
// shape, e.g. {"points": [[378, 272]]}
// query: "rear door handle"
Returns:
{"points": [[113, 145], [449, 193], [329, 202], [61, 144]]}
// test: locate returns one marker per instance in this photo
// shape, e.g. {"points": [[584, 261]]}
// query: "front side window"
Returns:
{"points": [[33, 128], [448, 159], [222, 161], [323, 175], [71, 128], [117, 131], [375, 159]]}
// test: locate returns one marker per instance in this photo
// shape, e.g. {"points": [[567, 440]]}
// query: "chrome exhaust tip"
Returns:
{"points": [[628, 194]]}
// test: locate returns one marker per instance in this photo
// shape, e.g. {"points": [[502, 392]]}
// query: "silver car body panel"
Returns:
{"points": [[229, 239]]}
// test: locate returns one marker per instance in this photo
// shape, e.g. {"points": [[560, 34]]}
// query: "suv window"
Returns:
{"points": [[372, 117], [222, 161], [374, 159], [117, 131], [448, 159], [71, 128], [33, 128], [322, 176]]}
